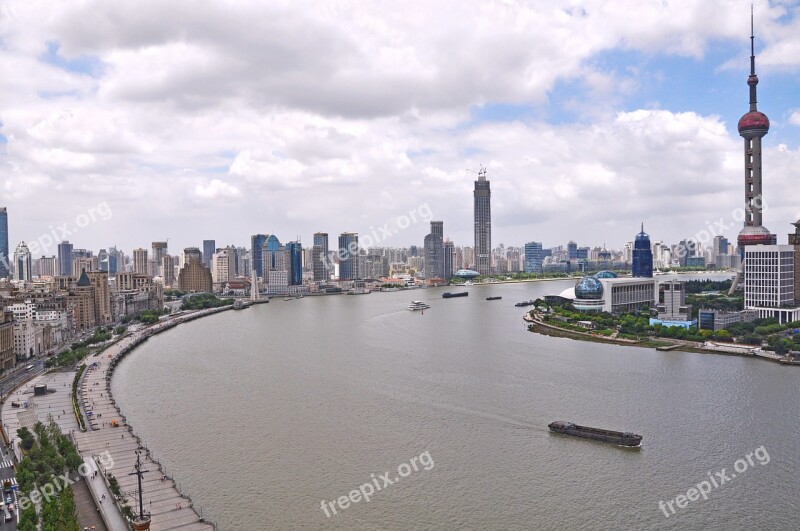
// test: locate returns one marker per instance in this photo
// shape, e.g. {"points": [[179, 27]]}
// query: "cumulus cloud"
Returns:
{"points": [[294, 117]]}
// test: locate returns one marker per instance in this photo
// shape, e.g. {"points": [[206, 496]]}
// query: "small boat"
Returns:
{"points": [[615, 437], [449, 295], [358, 292], [493, 298], [287, 298], [525, 303], [417, 305]]}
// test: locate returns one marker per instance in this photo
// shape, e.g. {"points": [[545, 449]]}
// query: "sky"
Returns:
{"points": [[126, 122]]}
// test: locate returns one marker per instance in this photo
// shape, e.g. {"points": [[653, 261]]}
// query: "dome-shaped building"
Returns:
{"points": [[588, 295], [589, 288]]}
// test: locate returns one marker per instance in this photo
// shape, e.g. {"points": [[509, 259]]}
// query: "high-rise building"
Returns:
{"points": [[159, 250], [223, 266], [769, 282], [48, 266], [752, 126], [794, 241], [483, 224], [113, 260], [65, 259], [209, 248], [449, 260], [533, 257], [433, 246], [319, 257], [257, 242], [642, 256], [572, 250], [23, 269], [140, 261], [437, 227], [685, 250], [434, 257], [194, 276], [102, 260], [4, 256], [348, 256], [294, 253], [168, 270]]}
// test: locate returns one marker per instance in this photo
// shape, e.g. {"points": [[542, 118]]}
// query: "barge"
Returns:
{"points": [[598, 434]]}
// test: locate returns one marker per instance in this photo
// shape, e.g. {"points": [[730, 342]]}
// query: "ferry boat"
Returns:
{"points": [[449, 295], [525, 303], [598, 434], [493, 298], [359, 291], [417, 305]]}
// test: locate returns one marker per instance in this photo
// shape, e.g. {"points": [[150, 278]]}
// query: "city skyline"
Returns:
{"points": [[564, 130]]}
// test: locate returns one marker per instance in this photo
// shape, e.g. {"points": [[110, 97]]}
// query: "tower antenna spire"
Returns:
{"points": [[752, 45]]}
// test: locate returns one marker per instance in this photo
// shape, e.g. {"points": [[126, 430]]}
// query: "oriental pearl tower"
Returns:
{"points": [[752, 128]]}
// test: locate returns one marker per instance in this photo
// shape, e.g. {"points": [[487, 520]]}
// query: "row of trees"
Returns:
{"points": [[49, 458], [204, 300]]}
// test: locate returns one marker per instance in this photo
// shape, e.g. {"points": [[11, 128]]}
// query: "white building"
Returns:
{"points": [[278, 282], [769, 282], [223, 266], [24, 329]]}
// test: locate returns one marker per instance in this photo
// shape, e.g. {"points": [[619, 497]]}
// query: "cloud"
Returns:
{"points": [[216, 189], [294, 117]]}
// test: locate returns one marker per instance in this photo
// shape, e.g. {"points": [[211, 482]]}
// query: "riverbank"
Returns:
{"points": [[538, 326], [109, 431]]}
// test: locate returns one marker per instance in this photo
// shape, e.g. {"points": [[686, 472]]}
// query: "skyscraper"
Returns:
{"points": [[4, 257], [433, 246], [257, 242], [533, 257], [65, 259], [483, 224], [348, 256], [642, 256], [572, 250], [434, 256], [294, 253], [140, 261], [159, 251], [22, 263], [319, 257], [437, 227], [209, 248], [752, 126], [449, 259]]}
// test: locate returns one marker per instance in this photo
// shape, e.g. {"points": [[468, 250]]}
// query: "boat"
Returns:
{"points": [[525, 303], [287, 298], [239, 304], [449, 295], [358, 292], [417, 305], [493, 298], [598, 434]]}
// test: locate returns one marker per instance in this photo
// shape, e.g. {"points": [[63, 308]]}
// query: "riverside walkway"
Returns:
{"points": [[168, 508]]}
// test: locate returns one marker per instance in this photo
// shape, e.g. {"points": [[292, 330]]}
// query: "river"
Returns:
{"points": [[262, 414]]}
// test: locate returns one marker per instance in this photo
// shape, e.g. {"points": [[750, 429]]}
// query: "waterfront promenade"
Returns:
{"points": [[108, 431]]}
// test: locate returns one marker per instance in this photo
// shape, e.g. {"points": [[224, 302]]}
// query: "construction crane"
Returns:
{"points": [[481, 173]]}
